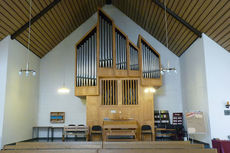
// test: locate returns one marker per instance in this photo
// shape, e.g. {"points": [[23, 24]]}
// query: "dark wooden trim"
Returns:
{"points": [[108, 2], [198, 33], [35, 18]]}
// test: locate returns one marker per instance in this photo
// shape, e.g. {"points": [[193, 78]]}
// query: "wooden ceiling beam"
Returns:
{"points": [[35, 18], [198, 33]]}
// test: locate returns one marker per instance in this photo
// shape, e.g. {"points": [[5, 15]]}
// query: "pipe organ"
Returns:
{"points": [[113, 73]]}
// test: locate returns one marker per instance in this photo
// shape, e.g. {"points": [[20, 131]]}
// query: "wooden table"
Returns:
{"points": [[113, 129], [37, 128], [77, 131], [53, 129]]}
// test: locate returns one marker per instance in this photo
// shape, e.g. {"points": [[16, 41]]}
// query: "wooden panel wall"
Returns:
{"points": [[143, 112]]}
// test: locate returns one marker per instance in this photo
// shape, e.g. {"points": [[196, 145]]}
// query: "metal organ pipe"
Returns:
{"points": [[111, 45], [78, 70], [150, 63], [103, 43], [106, 35], [86, 61], [95, 59], [100, 37], [89, 61], [133, 58], [121, 54], [125, 53]]}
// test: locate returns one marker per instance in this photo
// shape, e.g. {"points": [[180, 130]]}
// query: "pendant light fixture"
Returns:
{"points": [[168, 68], [63, 89], [28, 71]]}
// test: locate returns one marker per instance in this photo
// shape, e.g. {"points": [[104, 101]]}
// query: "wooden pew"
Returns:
{"points": [[51, 151], [99, 145], [53, 145], [157, 151], [153, 145]]}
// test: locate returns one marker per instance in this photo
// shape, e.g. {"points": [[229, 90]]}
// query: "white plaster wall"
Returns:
{"points": [[193, 83], [21, 101], [217, 61], [58, 65], [3, 78]]}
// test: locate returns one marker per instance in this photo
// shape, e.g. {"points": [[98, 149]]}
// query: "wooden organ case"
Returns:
{"points": [[113, 73]]}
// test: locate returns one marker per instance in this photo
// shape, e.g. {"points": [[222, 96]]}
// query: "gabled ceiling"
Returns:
{"points": [[211, 17], [52, 27]]}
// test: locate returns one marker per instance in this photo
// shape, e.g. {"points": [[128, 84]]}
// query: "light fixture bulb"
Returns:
{"points": [[27, 73], [162, 72], [175, 71], [34, 73], [63, 90], [152, 90], [146, 90], [20, 72]]}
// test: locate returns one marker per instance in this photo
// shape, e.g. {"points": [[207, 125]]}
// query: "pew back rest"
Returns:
{"points": [[51, 151], [147, 144], [54, 145], [157, 151]]}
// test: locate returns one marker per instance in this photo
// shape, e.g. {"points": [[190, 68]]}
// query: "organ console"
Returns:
{"points": [[112, 72]]}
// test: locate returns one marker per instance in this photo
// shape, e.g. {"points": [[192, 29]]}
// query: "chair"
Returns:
{"points": [[68, 130], [96, 130], [146, 130], [81, 125]]}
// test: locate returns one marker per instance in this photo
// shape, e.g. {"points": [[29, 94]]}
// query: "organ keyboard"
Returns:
{"points": [[117, 130]]}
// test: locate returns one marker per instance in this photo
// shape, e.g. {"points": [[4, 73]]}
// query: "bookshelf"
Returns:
{"points": [[177, 118]]}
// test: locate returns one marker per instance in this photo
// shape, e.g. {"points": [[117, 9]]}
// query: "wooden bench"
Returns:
{"points": [[77, 131], [153, 145], [157, 151], [52, 151], [99, 145], [53, 145], [108, 147]]}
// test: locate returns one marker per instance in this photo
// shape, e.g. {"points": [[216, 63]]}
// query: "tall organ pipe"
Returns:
{"points": [[95, 58]]}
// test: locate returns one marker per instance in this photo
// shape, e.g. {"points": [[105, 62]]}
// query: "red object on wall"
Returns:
{"points": [[222, 146]]}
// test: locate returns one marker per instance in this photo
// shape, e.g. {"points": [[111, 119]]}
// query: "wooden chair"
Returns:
{"points": [[146, 130], [96, 130]]}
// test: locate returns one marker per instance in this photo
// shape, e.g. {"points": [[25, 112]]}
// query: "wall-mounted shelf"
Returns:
{"points": [[57, 117]]}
